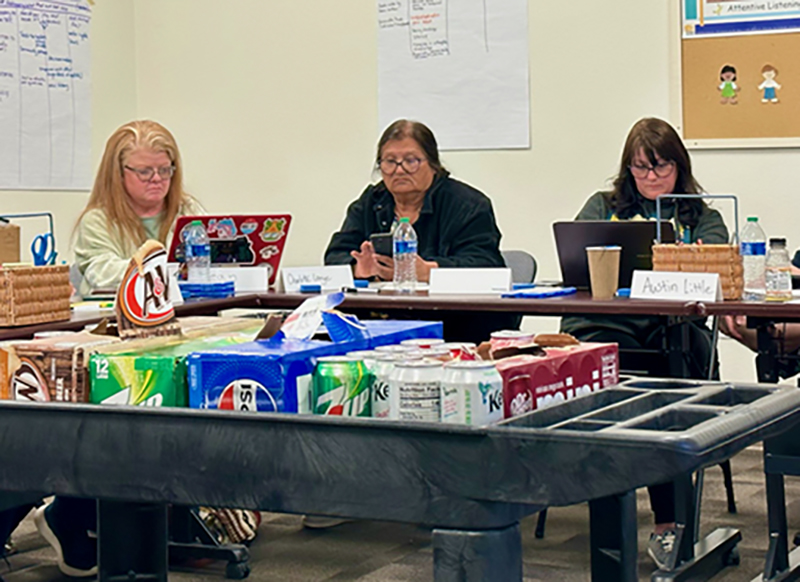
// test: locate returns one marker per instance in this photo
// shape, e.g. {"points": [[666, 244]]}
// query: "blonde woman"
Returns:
{"points": [[137, 195]]}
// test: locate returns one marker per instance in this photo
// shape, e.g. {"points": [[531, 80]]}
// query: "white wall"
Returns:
{"points": [[113, 103], [273, 103]]}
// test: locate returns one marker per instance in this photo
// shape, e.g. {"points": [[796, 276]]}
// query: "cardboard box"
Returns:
{"points": [[150, 377], [275, 376], [9, 243], [531, 382], [51, 369]]}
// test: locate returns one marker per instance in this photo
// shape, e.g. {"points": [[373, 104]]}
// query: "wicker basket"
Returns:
{"points": [[722, 259], [30, 295]]}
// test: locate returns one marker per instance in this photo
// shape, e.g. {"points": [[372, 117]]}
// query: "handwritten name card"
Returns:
{"points": [[676, 286], [331, 278]]}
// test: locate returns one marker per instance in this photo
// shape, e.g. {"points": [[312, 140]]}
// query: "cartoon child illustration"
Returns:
{"points": [[769, 84], [728, 87]]}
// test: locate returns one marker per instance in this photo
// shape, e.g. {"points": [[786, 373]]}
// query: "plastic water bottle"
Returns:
{"points": [[405, 257], [198, 253], [778, 276], [753, 248]]}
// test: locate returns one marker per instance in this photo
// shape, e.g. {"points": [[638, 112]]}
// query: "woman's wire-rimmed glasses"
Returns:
{"points": [[147, 174]]}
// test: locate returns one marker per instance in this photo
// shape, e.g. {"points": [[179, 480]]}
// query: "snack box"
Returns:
{"points": [[531, 382], [154, 377], [274, 375]]}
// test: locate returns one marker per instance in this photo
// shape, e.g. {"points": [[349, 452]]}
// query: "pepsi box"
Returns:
{"points": [[274, 375], [264, 376]]}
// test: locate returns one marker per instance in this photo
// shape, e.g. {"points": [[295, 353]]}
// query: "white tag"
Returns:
{"points": [[676, 286], [497, 280], [332, 278]]}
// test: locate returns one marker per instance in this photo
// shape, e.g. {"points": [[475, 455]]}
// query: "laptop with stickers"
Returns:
{"points": [[238, 239]]}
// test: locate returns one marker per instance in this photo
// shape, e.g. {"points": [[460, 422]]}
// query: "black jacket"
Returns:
{"points": [[456, 226]]}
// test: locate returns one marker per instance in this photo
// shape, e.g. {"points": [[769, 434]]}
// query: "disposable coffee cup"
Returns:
{"points": [[603, 270]]}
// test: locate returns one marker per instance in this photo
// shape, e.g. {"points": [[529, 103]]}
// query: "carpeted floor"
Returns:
{"points": [[387, 552]]}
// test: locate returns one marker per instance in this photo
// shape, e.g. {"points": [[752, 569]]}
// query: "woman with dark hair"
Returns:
{"points": [[454, 222], [654, 162]]}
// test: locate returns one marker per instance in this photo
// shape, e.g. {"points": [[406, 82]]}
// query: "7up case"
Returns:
{"points": [[342, 387]]}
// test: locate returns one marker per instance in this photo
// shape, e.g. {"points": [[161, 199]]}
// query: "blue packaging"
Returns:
{"points": [[275, 375]]}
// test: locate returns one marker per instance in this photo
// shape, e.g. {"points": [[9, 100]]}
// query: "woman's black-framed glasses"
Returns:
{"points": [[661, 170], [410, 165], [147, 174]]}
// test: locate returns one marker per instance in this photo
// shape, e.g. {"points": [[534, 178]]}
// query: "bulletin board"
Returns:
{"points": [[740, 74]]}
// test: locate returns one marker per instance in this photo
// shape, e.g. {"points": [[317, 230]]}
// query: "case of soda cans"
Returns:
{"points": [[275, 376], [531, 382]]}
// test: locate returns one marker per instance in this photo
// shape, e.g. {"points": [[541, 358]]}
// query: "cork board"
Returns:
{"points": [[705, 116]]}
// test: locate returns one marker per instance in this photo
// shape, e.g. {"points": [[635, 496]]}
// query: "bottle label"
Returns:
{"points": [[405, 246], [750, 249], [198, 250]]}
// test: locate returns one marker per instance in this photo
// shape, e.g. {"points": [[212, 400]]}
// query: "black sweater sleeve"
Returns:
{"points": [[354, 231]]}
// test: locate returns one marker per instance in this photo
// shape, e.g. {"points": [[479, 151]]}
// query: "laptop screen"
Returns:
{"points": [[636, 238], [246, 239]]}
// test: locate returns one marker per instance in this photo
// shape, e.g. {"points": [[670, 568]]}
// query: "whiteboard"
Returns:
{"points": [[458, 66], [45, 94]]}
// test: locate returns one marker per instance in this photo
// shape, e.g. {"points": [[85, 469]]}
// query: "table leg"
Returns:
{"points": [[678, 346], [131, 542], [614, 551], [767, 358], [477, 556]]}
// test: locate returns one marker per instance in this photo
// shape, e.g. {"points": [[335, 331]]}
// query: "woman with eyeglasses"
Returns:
{"points": [[654, 162], [137, 195], [454, 222]]}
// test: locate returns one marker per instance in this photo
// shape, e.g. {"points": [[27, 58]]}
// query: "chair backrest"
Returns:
{"points": [[522, 265]]}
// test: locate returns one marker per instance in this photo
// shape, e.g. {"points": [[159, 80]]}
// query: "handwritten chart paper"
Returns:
{"points": [[460, 67], [45, 94]]}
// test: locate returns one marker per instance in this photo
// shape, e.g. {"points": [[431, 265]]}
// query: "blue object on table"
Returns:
{"points": [[360, 283], [211, 290], [520, 286], [43, 250], [310, 288], [624, 292], [541, 293]]}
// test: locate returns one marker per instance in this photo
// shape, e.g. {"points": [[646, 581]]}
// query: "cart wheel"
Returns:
{"points": [[237, 570], [732, 558]]}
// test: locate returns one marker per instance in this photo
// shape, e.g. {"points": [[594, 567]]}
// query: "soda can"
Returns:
{"points": [[367, 356], [437, 353], [460, 350], [396, 349], [415, 387], [472, 393], [422, 343], [381, 388], [510, 338], [341, 386]]}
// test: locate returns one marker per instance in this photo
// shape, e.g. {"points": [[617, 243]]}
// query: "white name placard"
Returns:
{"points": [[331, 278], [473, 281], [676, 286]]}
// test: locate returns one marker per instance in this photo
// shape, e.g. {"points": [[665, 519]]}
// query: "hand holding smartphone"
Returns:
{"points": [[382, 243]]}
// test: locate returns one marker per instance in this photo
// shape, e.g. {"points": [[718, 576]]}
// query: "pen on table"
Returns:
{"points": [[359, 290]]}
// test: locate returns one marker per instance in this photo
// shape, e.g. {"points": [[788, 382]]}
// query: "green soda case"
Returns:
{"points": [[151, 378], [341, 386]]}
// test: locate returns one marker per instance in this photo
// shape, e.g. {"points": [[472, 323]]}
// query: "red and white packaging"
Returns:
{"points": [[531, 382]]}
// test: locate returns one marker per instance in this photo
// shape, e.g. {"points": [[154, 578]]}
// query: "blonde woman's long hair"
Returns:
{"points": [[109, 194]]}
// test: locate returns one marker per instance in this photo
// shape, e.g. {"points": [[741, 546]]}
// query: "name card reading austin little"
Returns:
{"points": [[676, 286]]}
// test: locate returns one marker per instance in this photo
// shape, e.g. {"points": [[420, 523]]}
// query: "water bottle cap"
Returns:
{"points": [[752, 219], [405, 219], [777, 241], [197, 222]]}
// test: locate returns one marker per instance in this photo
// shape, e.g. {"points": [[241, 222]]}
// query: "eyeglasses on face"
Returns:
{"points": [[410, 165], [147, 174], [661, 169]]}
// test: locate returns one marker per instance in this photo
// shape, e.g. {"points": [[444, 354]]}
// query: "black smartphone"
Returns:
{"points": [[382, 243]]}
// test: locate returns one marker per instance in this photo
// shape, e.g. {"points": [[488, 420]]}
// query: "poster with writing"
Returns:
{"points": [[45, 94], [460, 67], [704, 18]]}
